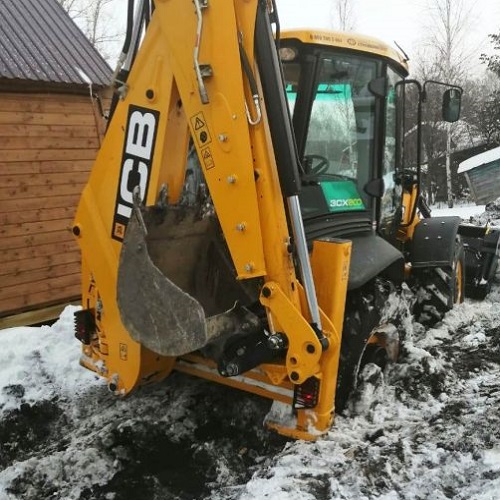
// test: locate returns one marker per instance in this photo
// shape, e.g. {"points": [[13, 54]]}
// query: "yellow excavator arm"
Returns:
{"points": [[207, 73]]}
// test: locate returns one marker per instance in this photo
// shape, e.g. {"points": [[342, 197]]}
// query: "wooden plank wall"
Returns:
{"points": [[47, 146]]}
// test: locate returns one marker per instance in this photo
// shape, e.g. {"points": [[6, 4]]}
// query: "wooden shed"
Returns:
{"points": [[51, 125], [482, 172]]}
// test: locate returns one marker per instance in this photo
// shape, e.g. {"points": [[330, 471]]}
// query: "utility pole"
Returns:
{"points": [[449, 185], [448, 29]]}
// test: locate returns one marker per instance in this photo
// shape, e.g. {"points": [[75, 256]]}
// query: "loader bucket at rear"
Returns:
{"points": [[156, 271]]}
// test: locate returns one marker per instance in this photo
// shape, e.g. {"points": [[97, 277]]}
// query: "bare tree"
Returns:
{"points": [[70, 6], [93, 17], [449, 22], [343, 15], [488, 109], [493, 60]]}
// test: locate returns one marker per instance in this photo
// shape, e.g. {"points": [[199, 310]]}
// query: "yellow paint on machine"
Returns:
{"points": [[351, 41]]}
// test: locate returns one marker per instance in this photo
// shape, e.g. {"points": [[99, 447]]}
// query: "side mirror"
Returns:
{"points": [[452, 103], [375, 188], [379, 86]]}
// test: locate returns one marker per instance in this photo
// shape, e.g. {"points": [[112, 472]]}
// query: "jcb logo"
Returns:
{"points": [[137, 159]]}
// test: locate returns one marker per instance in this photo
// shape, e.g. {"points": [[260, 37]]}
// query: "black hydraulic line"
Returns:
{"points": [[99, 104], [419, 153], [273, 87], [130, 26], [138, 40], [248, 70], [275, 19], [123, 74], [147, 12]]}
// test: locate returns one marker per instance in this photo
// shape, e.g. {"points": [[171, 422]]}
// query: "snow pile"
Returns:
{"points": [[64, 436], [40, 364], [492, 212], [41, 383], [478, 215]]}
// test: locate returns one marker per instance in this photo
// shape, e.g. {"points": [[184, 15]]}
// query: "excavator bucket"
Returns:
{"points": [[154, 308], [156, 276]]}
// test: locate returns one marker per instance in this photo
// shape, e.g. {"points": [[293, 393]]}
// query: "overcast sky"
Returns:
{"points": [[404, 21]]}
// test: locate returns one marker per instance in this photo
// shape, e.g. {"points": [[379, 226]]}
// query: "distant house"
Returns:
{"points": [[482, 172], [50, 131]]}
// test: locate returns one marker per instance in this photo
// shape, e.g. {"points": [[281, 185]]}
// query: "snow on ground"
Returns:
{"points": [[463, 211], [475, 214], [64, 436], [428, 427], [40, 363]]}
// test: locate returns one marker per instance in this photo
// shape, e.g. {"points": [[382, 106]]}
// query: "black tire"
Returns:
{"points": [[438, 289], [362, 317]]}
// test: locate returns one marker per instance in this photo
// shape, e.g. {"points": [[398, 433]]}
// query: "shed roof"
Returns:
{"points": [[40, 42], [480, 159]]}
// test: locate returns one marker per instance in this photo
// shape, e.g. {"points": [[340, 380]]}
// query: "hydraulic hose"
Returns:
{"points": [[130, 25]]}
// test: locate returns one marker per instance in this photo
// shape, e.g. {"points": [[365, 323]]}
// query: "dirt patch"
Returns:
{"points": [[153, 465], [29, 430], [150, 446]]}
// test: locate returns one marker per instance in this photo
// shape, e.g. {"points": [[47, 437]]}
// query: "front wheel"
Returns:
{"points": [[369, 335], [438, 289]]}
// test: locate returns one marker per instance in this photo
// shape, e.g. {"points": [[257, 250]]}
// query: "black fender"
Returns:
{"points": [[373, 256], [433, 243]]}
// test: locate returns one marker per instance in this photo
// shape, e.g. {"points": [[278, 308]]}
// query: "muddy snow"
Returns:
{"points": [[428, 427]]}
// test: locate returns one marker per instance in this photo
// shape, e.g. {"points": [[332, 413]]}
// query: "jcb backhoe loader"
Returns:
{"points": [[249, 212]]}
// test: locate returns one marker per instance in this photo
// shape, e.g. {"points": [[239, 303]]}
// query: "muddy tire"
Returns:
{"points": [[362, 341], [438, 289]]}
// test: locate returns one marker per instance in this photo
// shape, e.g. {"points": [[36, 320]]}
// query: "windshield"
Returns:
{"points": [[342, 117], [340, 137], [347, 118]]}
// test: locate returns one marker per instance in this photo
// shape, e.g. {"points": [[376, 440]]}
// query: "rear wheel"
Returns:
{"points": [[439, 289]]}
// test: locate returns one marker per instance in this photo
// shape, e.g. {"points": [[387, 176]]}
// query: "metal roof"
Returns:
{"points": [[40, 42], [479, 160]]}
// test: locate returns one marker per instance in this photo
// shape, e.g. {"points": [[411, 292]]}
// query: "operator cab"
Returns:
{"points": [[341, 94]]}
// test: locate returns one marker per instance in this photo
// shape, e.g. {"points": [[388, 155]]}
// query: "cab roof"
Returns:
{"points": [[352, 41]]}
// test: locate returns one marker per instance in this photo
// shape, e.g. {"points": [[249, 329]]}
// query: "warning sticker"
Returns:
{"points": [[201, 133], [208, 159], [198, 124], [123, 352], [118, 231]]}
